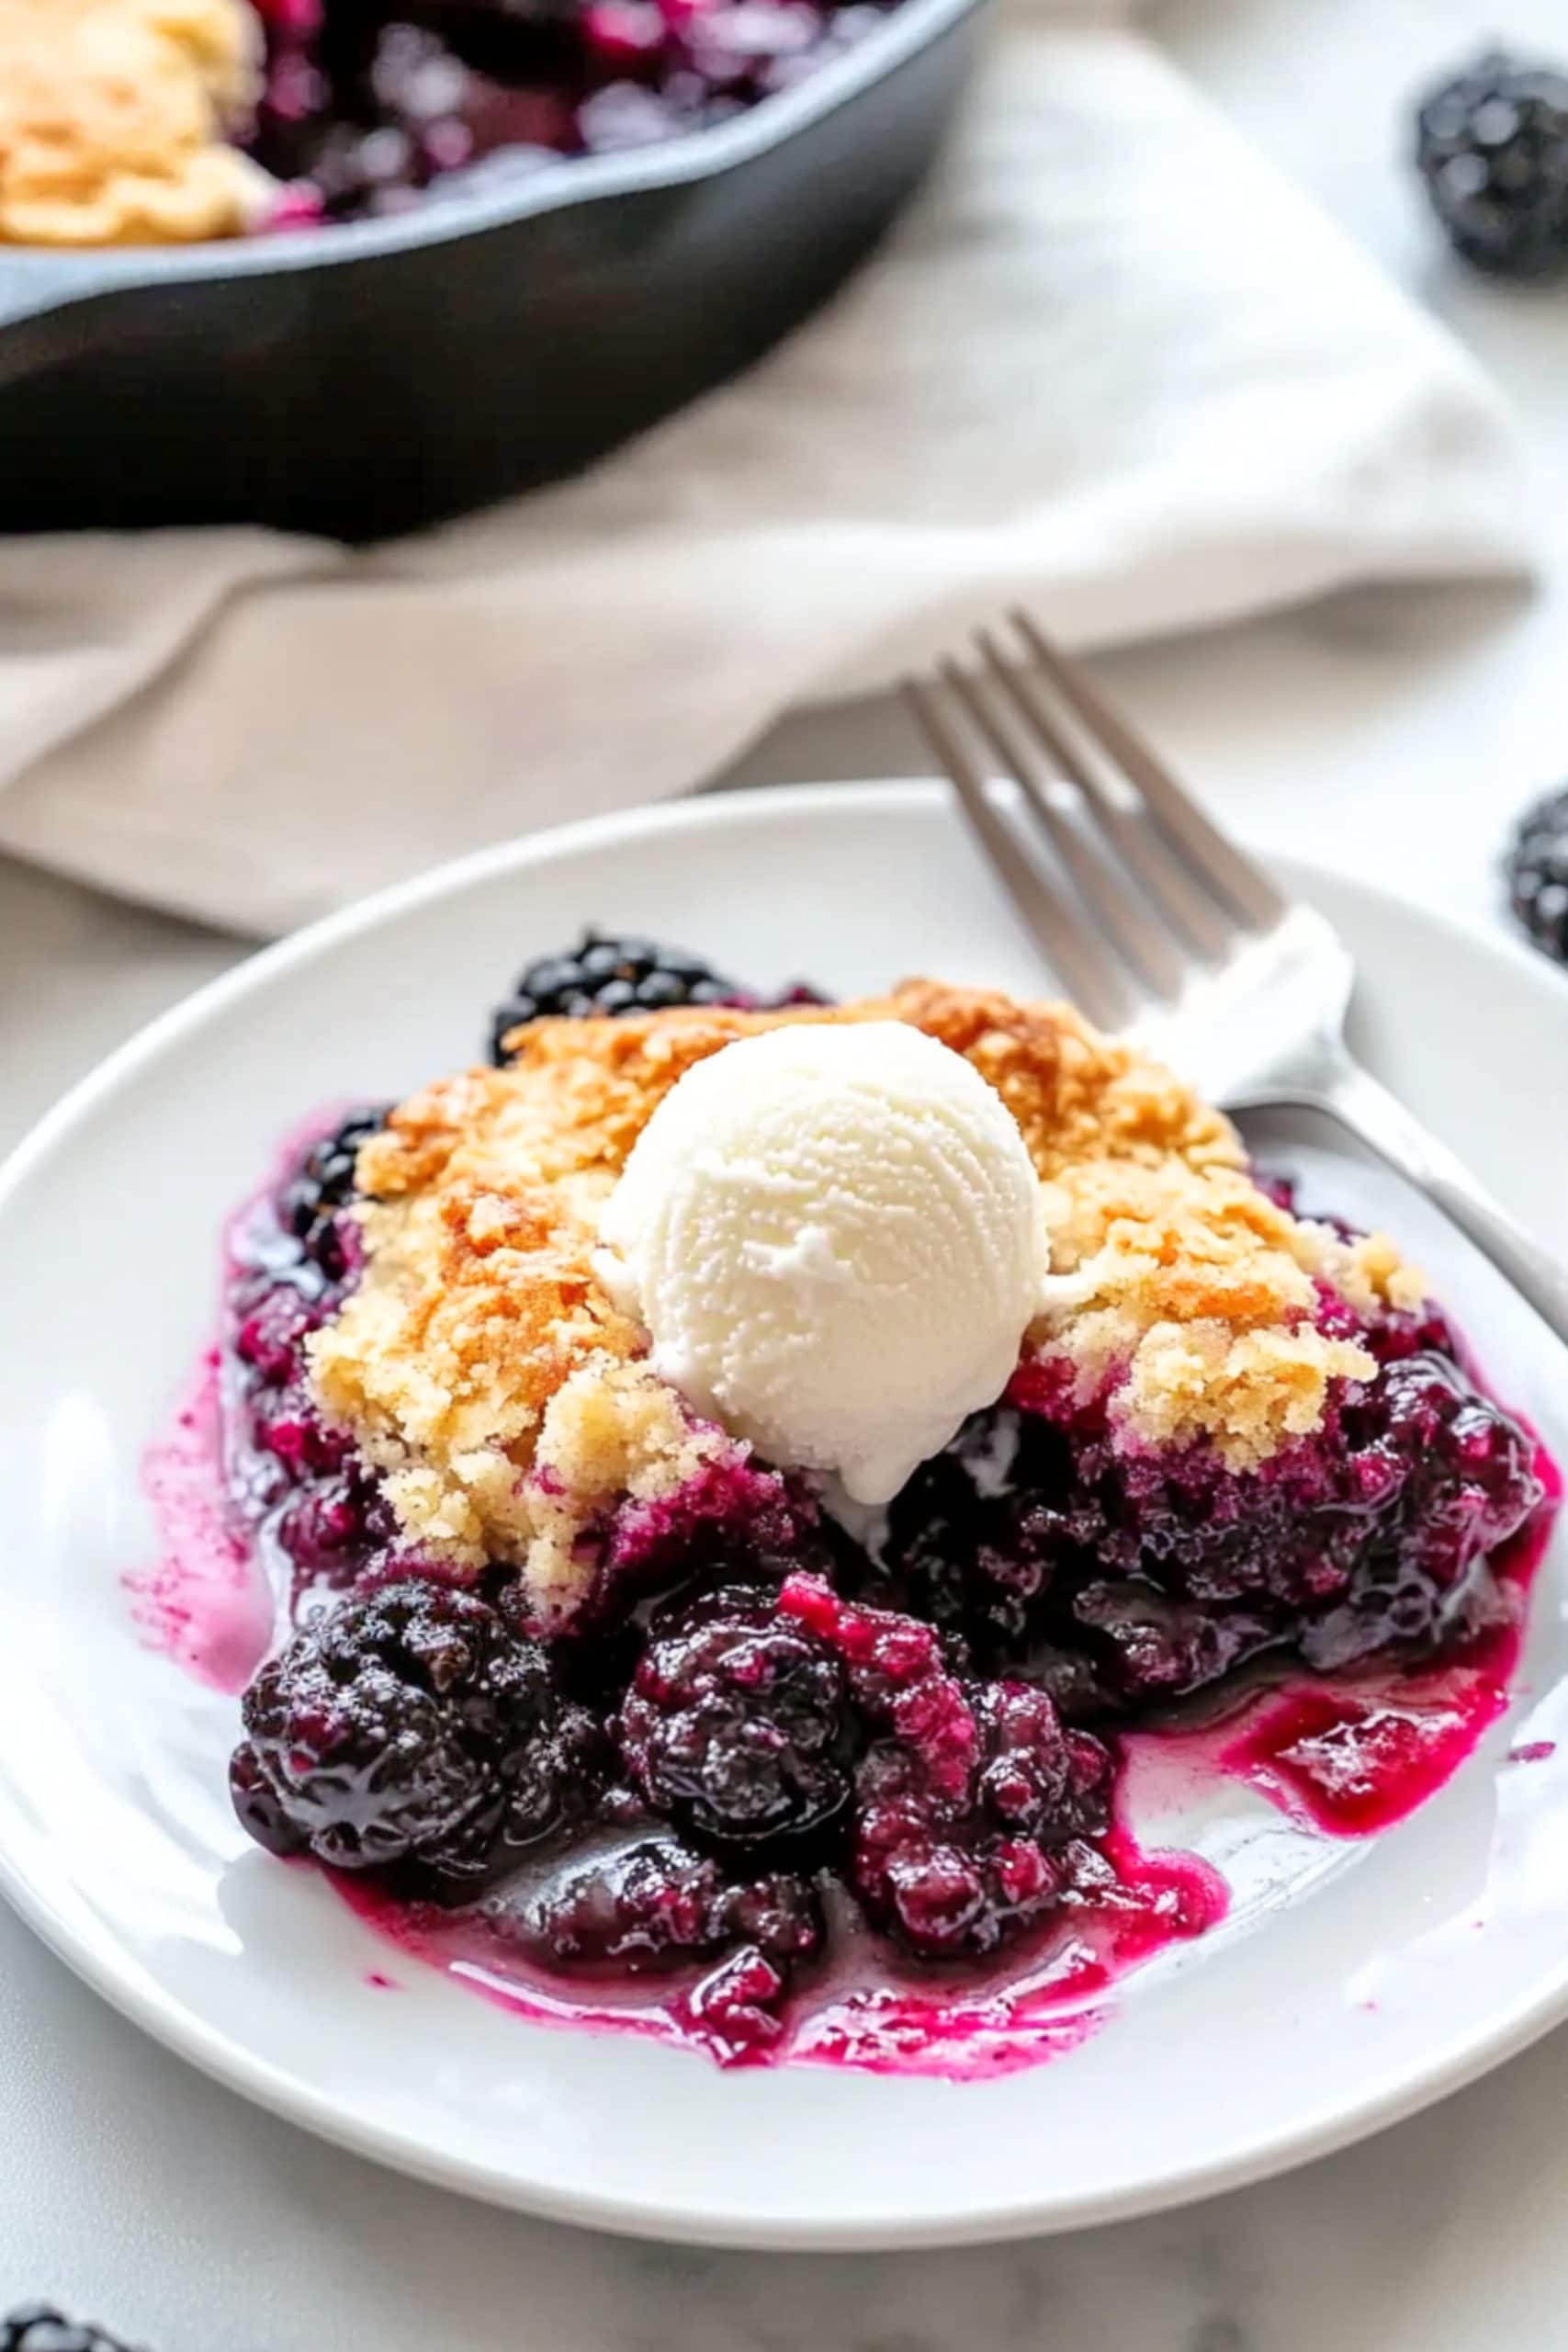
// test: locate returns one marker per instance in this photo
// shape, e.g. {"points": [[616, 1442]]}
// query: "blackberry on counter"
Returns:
{"points": [[1536, 869], [1492, 146], [607, 974], [38, 2327]]}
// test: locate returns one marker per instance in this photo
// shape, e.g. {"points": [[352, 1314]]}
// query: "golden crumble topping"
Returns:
{"points": [[1194, 1292], [113, 115], [484, 1368]]}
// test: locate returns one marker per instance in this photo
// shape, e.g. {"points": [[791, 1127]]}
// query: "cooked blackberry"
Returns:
{"points": [[410, 1726], [942, 1879], [322, 1183], [1123, 1578], [656, 1903], [39, 2327], [1536, 869], [1147, 1645], [1492, 146], [946, 1898], [969, 1791], [607, 974], [976, 1536], [737, 1723], [1463, 1481], [735, 2008], [1035, 1776]]}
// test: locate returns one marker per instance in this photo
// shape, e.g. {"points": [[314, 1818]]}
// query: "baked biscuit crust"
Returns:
{"points": [[113, 121]]}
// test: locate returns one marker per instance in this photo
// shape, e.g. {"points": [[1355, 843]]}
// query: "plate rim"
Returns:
{"points": [[127, 1986]]}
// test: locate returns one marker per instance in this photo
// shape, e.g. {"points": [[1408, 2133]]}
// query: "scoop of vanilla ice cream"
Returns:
{"points": [[835, 1238]]}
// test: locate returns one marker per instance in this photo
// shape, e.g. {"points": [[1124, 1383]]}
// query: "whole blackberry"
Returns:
{"points": [[653, 1904], [323, 1182], [409, 1725], [1492, 146], [38, 2327], [949, 1871], [605, 975], [1471, 1469], [1536, 869], [737, 1723], [1035, 1775], [1462, 1480]]}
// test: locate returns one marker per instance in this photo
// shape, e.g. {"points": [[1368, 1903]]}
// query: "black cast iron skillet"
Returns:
{"points": [[362, 380]]}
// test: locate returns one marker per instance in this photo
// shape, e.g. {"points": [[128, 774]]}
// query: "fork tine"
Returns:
{"points": [[1217, 859], [1136, 939], [1165, 881], [1089, 976]]}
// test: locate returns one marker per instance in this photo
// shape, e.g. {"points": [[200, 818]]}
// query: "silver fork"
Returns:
{"points": [[1163, 929]]}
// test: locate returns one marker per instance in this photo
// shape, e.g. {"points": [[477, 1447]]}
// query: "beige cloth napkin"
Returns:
{"points": [[1110, 362]]}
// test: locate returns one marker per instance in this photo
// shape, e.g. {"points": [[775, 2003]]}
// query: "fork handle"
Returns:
{"points": [[1354, 1097]]}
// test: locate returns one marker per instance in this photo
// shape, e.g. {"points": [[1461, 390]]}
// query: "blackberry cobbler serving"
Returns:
{"points": [[738, 1481]]}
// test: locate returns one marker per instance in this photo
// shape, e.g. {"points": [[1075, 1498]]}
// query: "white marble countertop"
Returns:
{"points": [[1393, 733]]}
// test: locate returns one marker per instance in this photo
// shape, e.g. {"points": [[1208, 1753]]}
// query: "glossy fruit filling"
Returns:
{"points": [[368, 106], [794, 1791]]}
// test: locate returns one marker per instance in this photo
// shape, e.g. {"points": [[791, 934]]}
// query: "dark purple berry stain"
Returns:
{"points": [[802, 1797]]}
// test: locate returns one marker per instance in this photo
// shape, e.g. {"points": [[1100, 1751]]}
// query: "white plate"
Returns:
{"points": [[1353, 1981]]}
